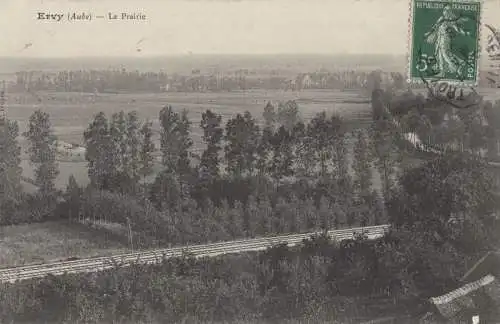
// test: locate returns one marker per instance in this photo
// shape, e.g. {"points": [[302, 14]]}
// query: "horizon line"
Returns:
{"points": [[198, 54]]}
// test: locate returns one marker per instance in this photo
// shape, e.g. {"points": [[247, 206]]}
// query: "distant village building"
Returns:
{"points": [[306, 81], [68, 151], [3, 112], [291, 85], [324, 81], [165, 87]]}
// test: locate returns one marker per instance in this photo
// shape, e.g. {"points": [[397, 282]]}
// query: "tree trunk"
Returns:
{"points": [[130, 234]]}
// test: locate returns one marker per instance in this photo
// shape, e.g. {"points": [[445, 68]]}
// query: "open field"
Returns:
{"points": [[66, 169], [72, 112], [42, 242]]}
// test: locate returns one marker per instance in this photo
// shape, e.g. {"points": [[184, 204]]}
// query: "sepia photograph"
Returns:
{"points": [[249, 161]]}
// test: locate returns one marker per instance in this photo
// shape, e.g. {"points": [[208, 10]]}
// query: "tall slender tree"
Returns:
{"points": [[320, 141], [288, 114], [118, 132], [385, 135], [242, 140], [100, 153], [269, 116], [42, 152], [378, 110], [264, 151], [282, 163], [133, 141], [175, 141], [184, 168], [212, 136], [305, 162], [374, 80], [170, 139], [252, 141], [340, 148], [147, 148], [73, 199], [264, 148], [362, 165], [175, 145], [10, 160], [326, 137]]}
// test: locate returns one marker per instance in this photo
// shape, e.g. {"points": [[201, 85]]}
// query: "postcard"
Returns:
{"points": [[249, 161]]}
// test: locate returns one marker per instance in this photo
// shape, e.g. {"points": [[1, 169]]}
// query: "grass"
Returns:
{"points": [[56, 240]]}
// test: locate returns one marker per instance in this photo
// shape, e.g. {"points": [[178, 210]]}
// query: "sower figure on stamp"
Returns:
{"points": [[441, 35]]}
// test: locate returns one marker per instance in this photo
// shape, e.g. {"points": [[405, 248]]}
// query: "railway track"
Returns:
{"points": [[156, 256]]}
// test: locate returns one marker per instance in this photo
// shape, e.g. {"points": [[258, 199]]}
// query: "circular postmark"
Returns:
{"points": [[493, 50], [456, 95]]}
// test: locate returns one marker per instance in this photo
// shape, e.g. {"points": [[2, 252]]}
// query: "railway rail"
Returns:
{"points": [[156, 256]]}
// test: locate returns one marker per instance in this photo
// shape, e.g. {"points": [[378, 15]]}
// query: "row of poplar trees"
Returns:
{"points": [[281, 148], [119, 152], [122, 156]]}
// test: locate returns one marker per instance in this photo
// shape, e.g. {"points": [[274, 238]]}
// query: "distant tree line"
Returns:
{"points": [[90, 81], [122, 80], [106, 81]]}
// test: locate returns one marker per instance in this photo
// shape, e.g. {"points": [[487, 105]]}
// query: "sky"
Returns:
{"points": [[178, 27]]}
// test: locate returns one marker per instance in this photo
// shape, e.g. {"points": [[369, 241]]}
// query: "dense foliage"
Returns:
{"points": [[318, 281], [10, 170]]}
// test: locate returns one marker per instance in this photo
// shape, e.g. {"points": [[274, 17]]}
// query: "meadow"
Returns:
{"points": [[72, 112], [55, 240]]}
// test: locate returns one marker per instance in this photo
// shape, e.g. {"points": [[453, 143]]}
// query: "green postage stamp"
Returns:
{"points": [[444, 40]]}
